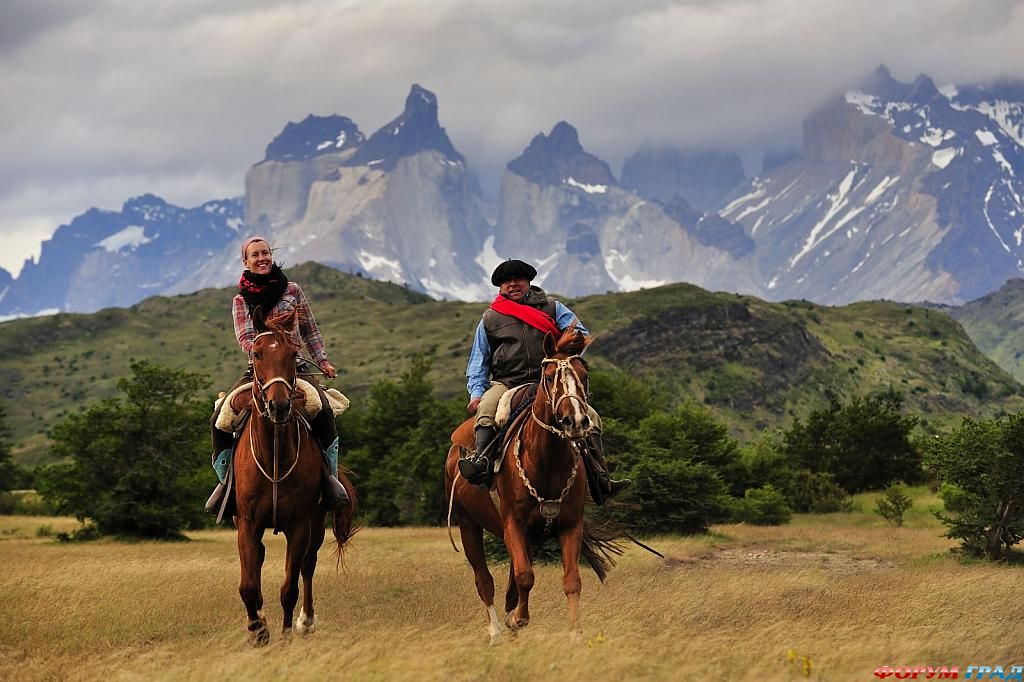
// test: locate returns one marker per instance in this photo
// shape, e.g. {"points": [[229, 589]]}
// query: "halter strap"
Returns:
{"points": [[563, 367]]}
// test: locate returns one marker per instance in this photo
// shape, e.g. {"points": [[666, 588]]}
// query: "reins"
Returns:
{"points": [[550, 508], [261, 400]]}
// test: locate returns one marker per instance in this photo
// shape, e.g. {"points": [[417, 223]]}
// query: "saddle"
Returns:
{"points": [[238, 404], [513, 405]]}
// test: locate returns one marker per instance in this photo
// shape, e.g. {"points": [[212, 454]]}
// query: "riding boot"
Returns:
{"points": [[333, 492], [608, 486], [222, 442], [325, 429], [478, 470]]}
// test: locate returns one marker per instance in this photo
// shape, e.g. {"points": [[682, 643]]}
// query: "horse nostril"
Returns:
{"points": [[585, 422]]}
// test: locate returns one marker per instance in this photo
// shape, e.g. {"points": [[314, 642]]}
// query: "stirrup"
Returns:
{"points": [[475, 470]]}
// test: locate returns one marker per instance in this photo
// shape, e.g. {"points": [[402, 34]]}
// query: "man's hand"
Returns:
{"points": [[473, 404]]}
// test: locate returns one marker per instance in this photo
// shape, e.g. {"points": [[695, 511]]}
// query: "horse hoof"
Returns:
{"points": [[513, 622], [495, 639], [305, 625], [259, 633]]}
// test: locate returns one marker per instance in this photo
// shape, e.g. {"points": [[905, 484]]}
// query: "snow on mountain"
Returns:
{"points": [[902, 191]]}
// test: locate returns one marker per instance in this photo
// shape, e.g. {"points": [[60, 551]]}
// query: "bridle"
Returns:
{"points": [[260, 397], [566, 376]]}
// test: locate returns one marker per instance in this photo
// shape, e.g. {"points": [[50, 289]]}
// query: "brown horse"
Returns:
{"points": [[542, 489], [278, 470]]}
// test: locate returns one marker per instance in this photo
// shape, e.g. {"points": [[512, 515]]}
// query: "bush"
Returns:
{"points": [[981, 466], [893, 502], [396, 444], [762, 507], [864, 445], [138, 465], [674, 496], [815, 493]]}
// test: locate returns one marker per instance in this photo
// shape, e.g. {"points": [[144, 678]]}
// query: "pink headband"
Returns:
{"points": [[250, 240]]}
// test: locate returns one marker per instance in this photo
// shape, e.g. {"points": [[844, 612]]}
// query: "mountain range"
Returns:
{"points": [[900, 191]]}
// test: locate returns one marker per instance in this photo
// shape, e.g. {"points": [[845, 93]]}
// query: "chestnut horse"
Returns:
{"points": [[542, 489], [278, 470]]}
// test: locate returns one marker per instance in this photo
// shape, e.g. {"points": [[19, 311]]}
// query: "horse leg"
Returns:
{"points": [[295, 555], [305, 624], [512, 593], [251, 553], [473, 545], [515, 541], [572, 542]]}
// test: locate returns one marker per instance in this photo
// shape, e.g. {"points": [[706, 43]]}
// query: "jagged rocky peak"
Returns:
{"points": [[559, 158], [313, 136], [703, 176], [415, 130], [710, 228]]}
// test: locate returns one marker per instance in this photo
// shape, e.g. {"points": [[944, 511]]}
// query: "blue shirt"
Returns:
{"points": [[478, 370]]}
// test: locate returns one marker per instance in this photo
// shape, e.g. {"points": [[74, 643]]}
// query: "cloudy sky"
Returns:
{"points": [[102, 100]]}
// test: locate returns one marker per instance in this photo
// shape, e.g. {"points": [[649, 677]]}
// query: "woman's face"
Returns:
{"points": [[258, 258]]}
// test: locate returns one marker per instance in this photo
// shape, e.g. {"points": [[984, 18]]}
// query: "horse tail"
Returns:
{"points": [[601, 544], [343, 523]]}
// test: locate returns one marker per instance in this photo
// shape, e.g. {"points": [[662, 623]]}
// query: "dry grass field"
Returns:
{"points": [[824, 598]]}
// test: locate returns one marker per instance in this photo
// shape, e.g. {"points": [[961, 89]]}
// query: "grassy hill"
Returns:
{"points": [[756, 364], [996, 324]]}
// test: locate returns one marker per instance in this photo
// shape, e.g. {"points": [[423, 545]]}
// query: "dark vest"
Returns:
{"points": [[516, 347]]}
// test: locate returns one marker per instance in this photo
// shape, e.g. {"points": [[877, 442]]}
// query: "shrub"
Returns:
{"points": [[981, 466], [864, 445], [893, 502], [762, 507], [674, 496], [135, 466]]}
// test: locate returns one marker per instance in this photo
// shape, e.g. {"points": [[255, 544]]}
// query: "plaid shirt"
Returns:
{"points": [[304, 330]]}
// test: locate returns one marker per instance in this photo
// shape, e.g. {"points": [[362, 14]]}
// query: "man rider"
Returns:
{"points": [[507, 352]]}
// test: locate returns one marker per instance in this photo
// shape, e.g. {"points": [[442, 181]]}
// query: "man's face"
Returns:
{"points": [[515, 288]]}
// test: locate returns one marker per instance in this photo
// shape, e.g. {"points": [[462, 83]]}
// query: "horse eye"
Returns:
{"points": [[256, 355]]}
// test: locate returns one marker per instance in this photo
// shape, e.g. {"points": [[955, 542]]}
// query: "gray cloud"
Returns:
{"points": [[103, 99]]}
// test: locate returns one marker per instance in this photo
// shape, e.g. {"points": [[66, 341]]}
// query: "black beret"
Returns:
{"points": [[512, 269]]}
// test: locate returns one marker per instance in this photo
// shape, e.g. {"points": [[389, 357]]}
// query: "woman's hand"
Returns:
{"points": [[328, 369]]}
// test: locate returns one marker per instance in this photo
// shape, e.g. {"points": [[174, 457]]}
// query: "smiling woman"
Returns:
{"points": [[264, 293]]}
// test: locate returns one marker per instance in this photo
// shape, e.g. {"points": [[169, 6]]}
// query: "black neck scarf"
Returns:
{"points": [[263, 290]]}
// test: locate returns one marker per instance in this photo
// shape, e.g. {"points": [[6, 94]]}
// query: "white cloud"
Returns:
{"points": [[125, 97]]}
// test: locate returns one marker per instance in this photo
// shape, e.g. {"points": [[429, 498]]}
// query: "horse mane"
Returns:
{"points": [[280, 326], [572, 341]]}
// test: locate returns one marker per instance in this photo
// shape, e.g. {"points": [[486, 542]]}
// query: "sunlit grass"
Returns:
{"points": [[742, 603]]}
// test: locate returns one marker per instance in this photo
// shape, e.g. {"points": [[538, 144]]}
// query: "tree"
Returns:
{"points": [[135, 465], [8, 471], [864, 445], [396, 447], [981, 465]]}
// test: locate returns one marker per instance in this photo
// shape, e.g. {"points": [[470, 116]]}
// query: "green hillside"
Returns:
{"points": [[755, 363], [996, 324]]}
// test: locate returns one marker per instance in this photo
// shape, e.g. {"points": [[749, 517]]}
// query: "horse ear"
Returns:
{"points": [[549, 345], [259, 322]]}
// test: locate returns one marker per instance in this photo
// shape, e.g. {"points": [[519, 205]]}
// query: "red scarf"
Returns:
{"points": [[537, 319]]}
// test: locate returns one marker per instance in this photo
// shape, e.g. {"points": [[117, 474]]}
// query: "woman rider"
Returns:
{"points": [[264, 291]]}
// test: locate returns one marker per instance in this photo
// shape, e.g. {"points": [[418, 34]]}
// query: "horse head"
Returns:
{"points": [[563, 384], [273, 363]]}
